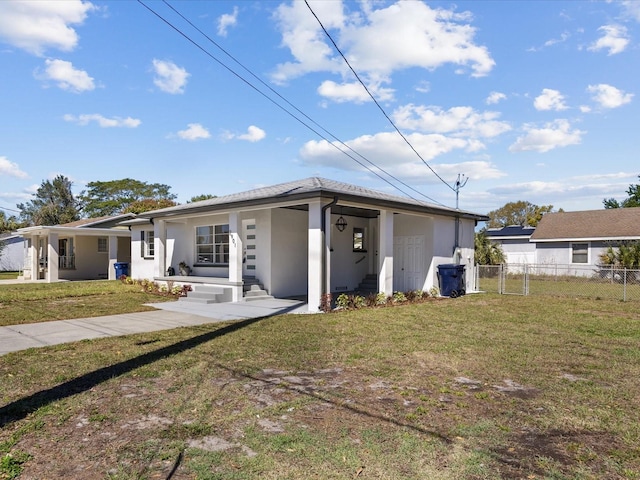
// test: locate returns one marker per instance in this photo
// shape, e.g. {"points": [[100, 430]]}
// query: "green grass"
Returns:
{"points": [[42, 302], [9, 275], [552, 392]]}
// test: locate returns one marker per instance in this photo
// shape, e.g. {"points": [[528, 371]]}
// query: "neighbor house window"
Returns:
{"points": [[358, 240], [580, 253], [212, 244], [147, 243], [103, 245]]}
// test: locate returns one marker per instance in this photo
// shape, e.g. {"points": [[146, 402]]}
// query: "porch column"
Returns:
{"points": [[113, 257], [35, 260], [385, 256], [160, 253], [52, 254], [314, 281], [327, 250], [235, 256]]}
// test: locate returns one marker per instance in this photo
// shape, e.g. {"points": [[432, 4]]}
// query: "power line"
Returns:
{"points": [[247, 82], [373, 98]]}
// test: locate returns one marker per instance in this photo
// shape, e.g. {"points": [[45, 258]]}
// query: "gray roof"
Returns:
{"points": [[613, 223], [313, 187]]}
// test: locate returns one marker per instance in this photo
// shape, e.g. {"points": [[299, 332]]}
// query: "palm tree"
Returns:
{"points": [[487, 252]]}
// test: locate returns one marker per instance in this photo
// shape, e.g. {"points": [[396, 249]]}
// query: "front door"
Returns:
{"points": [[249, 248], [408, 263]]}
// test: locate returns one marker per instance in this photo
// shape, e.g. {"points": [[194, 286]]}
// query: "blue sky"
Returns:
{"points": [[531, 101]]}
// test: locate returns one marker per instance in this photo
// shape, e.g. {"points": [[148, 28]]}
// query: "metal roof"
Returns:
{"points": [[313, 187]]}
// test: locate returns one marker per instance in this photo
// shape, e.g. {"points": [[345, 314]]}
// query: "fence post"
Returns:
{"points": [[526, 279], [500, 279], [624, 287]]}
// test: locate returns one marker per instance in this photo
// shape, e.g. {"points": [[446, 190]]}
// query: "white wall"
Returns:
{"points": [[289, 246], [12, 255], [140, 267]]}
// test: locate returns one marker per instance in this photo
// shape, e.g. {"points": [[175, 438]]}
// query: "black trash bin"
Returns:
{"points": [[451, 279], [122, 268]]}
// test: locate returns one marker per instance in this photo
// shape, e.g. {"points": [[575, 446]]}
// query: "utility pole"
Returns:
{"points": [[458, 185]]}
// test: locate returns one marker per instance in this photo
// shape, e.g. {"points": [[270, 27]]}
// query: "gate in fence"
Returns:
{"points": [[559, 280]]}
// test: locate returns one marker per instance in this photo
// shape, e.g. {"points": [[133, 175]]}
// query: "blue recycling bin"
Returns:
{"points": [[122, 268], [451, 279]]}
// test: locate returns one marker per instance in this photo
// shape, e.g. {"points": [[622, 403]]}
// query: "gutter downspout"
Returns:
{"points": [[323, 228]]}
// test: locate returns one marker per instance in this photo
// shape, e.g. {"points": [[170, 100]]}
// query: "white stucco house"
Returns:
{"points": [[82, 250], [303, 238]]}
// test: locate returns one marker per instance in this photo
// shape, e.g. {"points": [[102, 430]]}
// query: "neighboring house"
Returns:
{"points": [[577, 239], [514, 241], [82, 250], [12, 254], [303, 238]]}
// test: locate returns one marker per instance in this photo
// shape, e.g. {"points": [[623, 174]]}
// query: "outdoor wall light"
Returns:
{"points": [[341, 224]]}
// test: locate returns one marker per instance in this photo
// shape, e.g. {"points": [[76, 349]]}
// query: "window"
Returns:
{"points": [[580, 253], [212, 244], [147, 243], [358, 240], [103, 245]]}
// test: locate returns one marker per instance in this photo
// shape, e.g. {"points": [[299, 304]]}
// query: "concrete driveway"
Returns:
{"points": [[169, 315]]}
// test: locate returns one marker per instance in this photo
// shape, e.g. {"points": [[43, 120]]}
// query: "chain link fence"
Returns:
{"points": [[559, 280]]}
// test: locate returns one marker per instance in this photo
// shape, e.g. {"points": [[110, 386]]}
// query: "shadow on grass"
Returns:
{"points": [[19, 409]]}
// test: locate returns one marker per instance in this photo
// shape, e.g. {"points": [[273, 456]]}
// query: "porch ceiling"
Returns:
{"points": [[345, 210]]}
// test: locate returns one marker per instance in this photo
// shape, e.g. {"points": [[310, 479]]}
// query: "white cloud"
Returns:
{"points": [[550, 100], [254, 134], [378, 42], [353, 92], [608, 96], [389, 151], [632, 9], [194, 131], [553, 135], [67, 77], [495, 97], [227, 20], [459, 121], [615, 39], [38, 26], [11, 169], [102, 121], [169, 77]]}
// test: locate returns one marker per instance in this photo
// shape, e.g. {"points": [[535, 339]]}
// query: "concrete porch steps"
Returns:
{"points": [[205, 294], [368, 285], [253, 290]]}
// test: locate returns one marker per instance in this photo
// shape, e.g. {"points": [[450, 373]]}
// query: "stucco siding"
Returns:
{"points": [[12, 255], [289, 246]]}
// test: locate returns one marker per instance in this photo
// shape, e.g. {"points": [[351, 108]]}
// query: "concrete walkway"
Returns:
{"points": [[169, 315]]}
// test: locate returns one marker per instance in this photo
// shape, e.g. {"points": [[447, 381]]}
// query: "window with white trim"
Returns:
{"points": [[103, 245], [147, 243], [579, 253], [212, 245]]}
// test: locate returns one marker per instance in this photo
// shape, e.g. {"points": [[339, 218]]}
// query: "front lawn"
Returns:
{"points": [[480, 387], [43, 302]]}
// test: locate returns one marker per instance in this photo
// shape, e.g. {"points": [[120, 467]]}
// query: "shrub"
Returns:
{"points": [[399, 297], [325, 302]]}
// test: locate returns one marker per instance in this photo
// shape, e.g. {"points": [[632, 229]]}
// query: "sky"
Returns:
{"points": [[510, 100]]}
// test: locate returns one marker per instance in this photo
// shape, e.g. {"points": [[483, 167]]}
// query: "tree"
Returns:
{"points": [[116, 196], [9, 224], [486, 251], [53, 204], [633, 199], [198, 198], [148, 204], [518, 213], [626, 255]]}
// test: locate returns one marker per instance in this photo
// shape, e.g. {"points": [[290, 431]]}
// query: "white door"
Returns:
{"points": [[249, 248], [408, 263]]}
